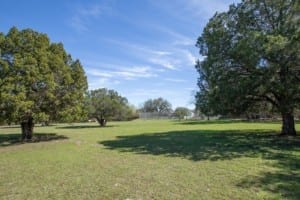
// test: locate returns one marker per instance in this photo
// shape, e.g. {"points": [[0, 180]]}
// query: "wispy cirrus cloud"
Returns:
{"points": [[188, 57], [84, 16], [179, 39], [170, 57], [207, 8], [128, 73], [110, 78], [151, 93], [157, 57], [175, 80], [99, 82], [162, 61], [194, 9]]}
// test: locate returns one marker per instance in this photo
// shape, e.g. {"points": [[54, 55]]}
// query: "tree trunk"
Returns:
{"points": [[288, 125], [101, 121], [27, 127]]}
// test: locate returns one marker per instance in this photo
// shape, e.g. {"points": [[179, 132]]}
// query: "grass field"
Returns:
{"points": [[151, 160]]}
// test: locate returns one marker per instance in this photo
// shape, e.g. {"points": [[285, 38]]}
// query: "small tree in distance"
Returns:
{"points": [[181, 112], [158, 105], [103, 104]]}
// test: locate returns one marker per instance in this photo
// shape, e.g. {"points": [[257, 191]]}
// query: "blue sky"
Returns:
{"points": [[141, 48]]}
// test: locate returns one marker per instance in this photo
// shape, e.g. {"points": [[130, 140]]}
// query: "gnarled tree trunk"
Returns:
{"points": [[288, 124], [101, 121], [27, 126]]}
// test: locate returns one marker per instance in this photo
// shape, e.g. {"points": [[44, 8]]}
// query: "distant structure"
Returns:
{"points": [[155, 115]]}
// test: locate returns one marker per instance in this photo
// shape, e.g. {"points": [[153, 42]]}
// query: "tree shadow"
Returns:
{"points": [[15, 139], [204, 122], [285, 180], [226, 145], [11, 126], [19, 126], [85, 126], [285, 183], [204, 145]]}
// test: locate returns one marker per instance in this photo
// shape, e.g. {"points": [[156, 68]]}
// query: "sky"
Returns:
{"points": [[143, 49]]}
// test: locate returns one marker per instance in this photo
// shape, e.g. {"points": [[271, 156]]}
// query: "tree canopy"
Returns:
{"points": [[158, 105], [251, 54], [39, 76], [181, 112], [104, 104]]}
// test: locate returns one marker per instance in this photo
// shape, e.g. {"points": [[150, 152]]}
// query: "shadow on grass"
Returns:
{"points": [[205, 145], [199, 122], [15, 139], [19, 126], [285, 183], [225, 145], [84, 126]]}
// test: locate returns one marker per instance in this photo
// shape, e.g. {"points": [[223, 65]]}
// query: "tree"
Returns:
{"points": [[203, 103], [104, 104], [158, 105], [251, 54], [38, 79], [181, 112]]}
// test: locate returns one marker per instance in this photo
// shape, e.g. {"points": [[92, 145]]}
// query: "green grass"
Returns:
{"points": [[151, 160]]}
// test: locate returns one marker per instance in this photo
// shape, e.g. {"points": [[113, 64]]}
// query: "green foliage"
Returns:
{"points": [[251, 53], [109, 105], [158, 105], [39, 76], [181, 112]]}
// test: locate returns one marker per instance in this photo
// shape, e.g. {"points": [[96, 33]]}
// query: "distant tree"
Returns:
{"points": [[125, 113], [181, 112], [158, 105], [252, 53], [38, 79], [104, 104]]}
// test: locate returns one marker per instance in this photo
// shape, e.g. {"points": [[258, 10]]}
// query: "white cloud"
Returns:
{"points": [[172, 56], [178, 38], [175, 80], [188, 57], [128, 73], [208, 7], [180, 57], [200, 8], [84, 15], [163, 58], [96, 72], [163, 62], [98, 83], [151, 93], [162, 53]]}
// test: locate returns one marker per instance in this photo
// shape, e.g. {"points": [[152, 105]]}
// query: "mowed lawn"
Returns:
{"points": [[151, 159]]}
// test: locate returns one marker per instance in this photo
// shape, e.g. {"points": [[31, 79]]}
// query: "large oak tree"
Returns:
{"points": [[38, 79], [158, 105], [252, 53]]}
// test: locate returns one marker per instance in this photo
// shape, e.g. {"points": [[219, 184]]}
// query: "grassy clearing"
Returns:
{"points": [[151, 160]]}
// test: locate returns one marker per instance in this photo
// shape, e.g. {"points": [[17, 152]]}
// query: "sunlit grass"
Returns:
{"points": [[151, 160]]}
